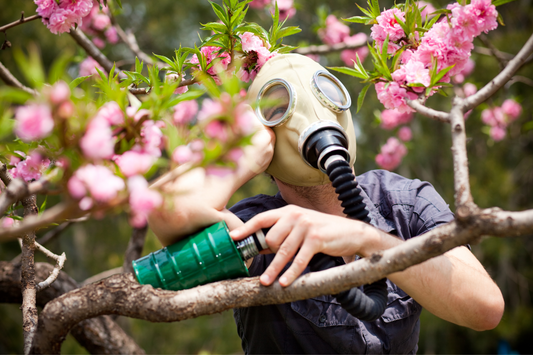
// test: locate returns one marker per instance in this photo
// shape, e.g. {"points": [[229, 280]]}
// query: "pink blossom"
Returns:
{"points": [[391, 154], [172, 78], [259, 4], [62, 20], [245, 119], [211, 54], [14, 160], [358, 39], [81, 8], [486, 15], [393, 96], [98, 42], [497, 133], [30, 168], [334, 32], [111, 35], [59, 92], [393, 118], [405, 134], [349, 56], [86, 203], [136, 114], [45, 8], [98, 141], [184, 112], [210, 109], [286, 9], [467, 70], [314, 57], [65, 110], [100, 22], [220, 171], [97, 180], [512, 109], [152, 138], [142, 200], [235, 154], [413, 72], [469, 89], [33, 122], [111, 113], [134, 163], [87, 67], [250, 42], [7, 222], [487, 116], [216, 129], [427, 10], [187, 153], [388, 26]]}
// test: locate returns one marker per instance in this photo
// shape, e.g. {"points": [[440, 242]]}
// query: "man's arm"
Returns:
{"points": [[195, 200], [453, 286]]}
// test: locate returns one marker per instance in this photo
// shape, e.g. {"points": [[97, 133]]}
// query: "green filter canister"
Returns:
{"points": [[207, 256]]}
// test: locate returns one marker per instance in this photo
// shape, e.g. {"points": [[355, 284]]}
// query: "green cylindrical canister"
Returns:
{"points": [[207, 256]]}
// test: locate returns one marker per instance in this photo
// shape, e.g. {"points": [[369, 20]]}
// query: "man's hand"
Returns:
{"points": [[300, 233]]}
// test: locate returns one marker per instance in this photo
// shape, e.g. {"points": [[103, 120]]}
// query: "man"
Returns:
{"points": [[306, 218]]}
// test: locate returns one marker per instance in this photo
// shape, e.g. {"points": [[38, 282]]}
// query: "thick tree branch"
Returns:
{"points": [[19, 22], [99, 335], [120, 294], [429, 112], [325, 48], [502, 78], [10, 80]]}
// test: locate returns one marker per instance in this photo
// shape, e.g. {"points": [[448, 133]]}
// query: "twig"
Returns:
{"points": [[18, 22], [429, 112], [500, 80], [144, 91], [29, 289], [501, 58], [130, 41], [103, 275], [325, 48], [519, 79], [135, 248], [10, 80], [60, 262]]}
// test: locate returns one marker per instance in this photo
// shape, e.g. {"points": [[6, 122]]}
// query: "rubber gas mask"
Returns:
{"points": [[308, 109]]}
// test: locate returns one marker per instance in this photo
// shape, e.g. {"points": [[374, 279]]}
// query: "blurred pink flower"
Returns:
{"points": [[96, 180], [142, 200], [33, 122], [334, 32], [469, 89], [213, 54], [112, 113], [98, 141], [286, 9], [220, 171], [235, 154], [393, 118], [184, 112], [216, 129], [111, 35], [152, 138], [172, 78], [100, 22], [136, 114], [405, 134], [134, 163], [512, 109], [7, 222], [59, 92], [210, 108], [391, 154], [314, 57], [98, 42], [30, 168], [467, 70], [349, 56], [260, 4], [186, 153], [65, 110], [87, 67], [427, 10], [497, 133]]}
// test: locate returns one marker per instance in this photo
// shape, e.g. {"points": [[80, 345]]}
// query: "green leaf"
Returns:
{"points": [[361, 97], [358, 19], [219, 11], [500, 2], [162, 58], [138, 65], [119, 2], [31, 66], [402, 24], [215, 27], [43, 205], [375, 8], [74, 83], [366, 12], [289, 31], [349, 71], [58, 68], [500, 19], [435, 79]]}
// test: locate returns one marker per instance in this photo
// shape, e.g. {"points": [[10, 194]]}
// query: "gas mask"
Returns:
{"points": [[298, 99]]}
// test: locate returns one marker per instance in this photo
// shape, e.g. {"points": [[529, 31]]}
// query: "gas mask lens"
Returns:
{"points": [[330, 91], [276, 102]]}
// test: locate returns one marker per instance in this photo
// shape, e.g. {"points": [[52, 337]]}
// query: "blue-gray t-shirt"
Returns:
{"points": [[403, 207]]}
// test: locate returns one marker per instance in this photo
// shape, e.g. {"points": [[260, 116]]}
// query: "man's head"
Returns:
{"points": [[302, 94]]}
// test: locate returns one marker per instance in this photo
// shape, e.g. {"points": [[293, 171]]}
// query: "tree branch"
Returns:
{"points": [[502, 78], [60, 262], [10, 80], [120, 294], [99, 335], [135, 248], [130, 41], [428, 112], [325, 48], [19, 22]]}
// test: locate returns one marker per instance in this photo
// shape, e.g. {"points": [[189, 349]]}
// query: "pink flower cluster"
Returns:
{"points": [[88, 67], [285, 7], [184, 112], [60, 16], [92, 183], [498, 118], [142, 200], [98, 25], [337, 32], [30, 168], [212, 54], [391, 119], [256, 53], [192, 152], [391, 154], [449, 42], [33, 122], [172, 78], [98, 141]]}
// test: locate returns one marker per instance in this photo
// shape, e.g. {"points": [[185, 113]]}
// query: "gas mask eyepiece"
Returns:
{"points": [[330, 91]]}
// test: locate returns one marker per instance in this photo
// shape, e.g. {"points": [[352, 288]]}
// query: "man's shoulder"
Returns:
{"points": [[249, 207]]}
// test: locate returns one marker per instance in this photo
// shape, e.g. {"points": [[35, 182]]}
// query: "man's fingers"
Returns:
{"points": [[298, 266], [262, 220], [284, 255]]}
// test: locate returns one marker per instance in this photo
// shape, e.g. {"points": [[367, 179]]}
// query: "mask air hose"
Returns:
{"points": [[327, 151]]}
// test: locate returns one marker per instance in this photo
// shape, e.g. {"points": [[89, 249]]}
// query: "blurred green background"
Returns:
{"points": [[501, 174]]}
